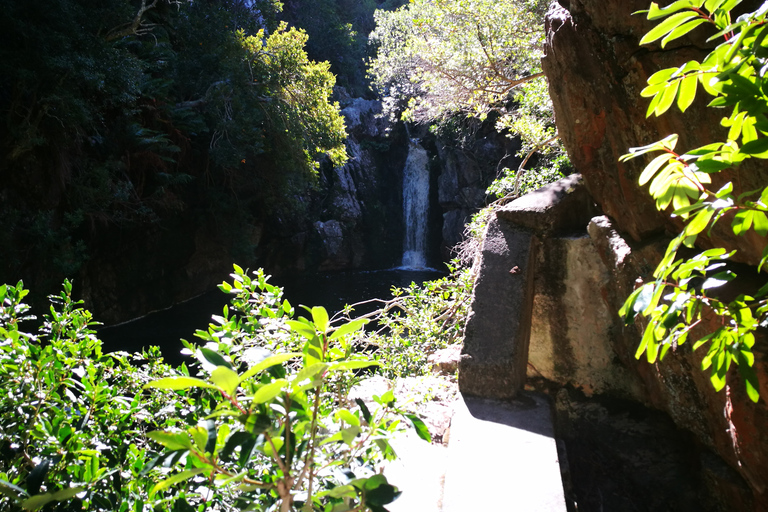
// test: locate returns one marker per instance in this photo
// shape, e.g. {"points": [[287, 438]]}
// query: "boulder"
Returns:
{"points": [[596, 70], [446, 360]]}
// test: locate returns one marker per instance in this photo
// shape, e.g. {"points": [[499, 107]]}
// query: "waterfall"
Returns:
{"points": [[415, 206]]}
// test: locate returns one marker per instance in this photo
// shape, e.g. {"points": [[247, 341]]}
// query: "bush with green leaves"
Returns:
{"points": [[275, 430], [686, 292], [73, 419], [417, 321], [262, 423]]}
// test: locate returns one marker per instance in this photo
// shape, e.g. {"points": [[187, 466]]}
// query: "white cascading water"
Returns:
{"points": [[415, 206]]}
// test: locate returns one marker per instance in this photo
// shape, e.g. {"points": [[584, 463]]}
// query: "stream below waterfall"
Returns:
{"points": [[332, 290]]}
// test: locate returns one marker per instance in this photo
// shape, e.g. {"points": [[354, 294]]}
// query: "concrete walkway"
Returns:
{"points": [[501, 457]]}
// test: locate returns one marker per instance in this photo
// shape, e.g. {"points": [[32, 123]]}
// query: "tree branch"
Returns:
{"points": [[135, 27]]}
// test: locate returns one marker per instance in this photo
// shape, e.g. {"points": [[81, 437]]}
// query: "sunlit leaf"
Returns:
{"points": [[179, 477], [267, 363], [226, 379], [177, 383], [269, 391], [171, 440]]}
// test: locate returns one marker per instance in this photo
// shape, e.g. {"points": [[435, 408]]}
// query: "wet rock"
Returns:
{"points": [[332, 236]]}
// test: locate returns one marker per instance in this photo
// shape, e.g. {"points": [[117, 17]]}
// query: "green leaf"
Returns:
{"points": [[177, 383], [320, 318], [179, 477], [387, 398], [171, 440], [214, 357], [349, 434], [667, 98], [7, 488], [760, 223], [750, 377], [687, 93], [667, 26], [720, 369], [699, 222], [378, 492], [345, 415], [647, 338], [302, 327], [654, 13], [278, 443], [742, 221], [712, 5], [348, 328], [364, 409], [756, 148], [660, 77], [680, 31], [651, 169], [311, 371], [226, 379], [267, 363], [269, 391], [40, 500], [421, 429], [343, 491]]}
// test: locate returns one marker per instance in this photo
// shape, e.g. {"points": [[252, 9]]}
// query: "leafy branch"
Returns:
{"points": [[687, 294]]}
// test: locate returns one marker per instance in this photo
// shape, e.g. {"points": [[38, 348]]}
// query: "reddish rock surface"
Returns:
{"points": [[596, 71]]}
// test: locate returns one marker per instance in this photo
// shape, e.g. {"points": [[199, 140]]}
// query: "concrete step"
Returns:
{"points": [[502, 456], [418, 472]]}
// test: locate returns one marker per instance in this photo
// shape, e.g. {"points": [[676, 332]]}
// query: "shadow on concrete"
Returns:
{"points": [[527, 412]]}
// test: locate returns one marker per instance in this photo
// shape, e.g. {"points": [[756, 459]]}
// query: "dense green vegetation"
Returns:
{"points": [[688, 298], [118, 115], [338, 33], [437, 60], [260, 421]]}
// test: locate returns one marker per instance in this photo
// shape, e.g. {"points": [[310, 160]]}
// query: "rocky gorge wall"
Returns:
{"points": [[570, 283], [596, 70]]}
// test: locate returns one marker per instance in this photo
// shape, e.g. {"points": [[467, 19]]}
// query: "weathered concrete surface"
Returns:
{"points": [[418, 472], [502, 456], [572, 326], [561, 207], [495, 353]]}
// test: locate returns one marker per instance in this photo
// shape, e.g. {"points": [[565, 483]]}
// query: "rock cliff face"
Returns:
{"points": [[465, 174], [596, 70]]}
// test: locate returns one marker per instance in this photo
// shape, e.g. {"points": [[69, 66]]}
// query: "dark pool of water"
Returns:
{"points": [[165, 328]]}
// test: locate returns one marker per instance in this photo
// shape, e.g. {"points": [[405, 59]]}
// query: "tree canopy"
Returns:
{"points": [[439, 58], [118, 113]]}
